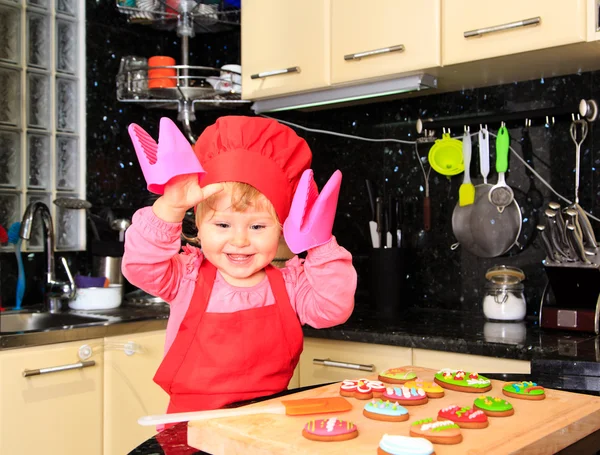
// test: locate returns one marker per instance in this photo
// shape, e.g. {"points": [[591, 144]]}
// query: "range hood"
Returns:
{"points": [[346, 94]]}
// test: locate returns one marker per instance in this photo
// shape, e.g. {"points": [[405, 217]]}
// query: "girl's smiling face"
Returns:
{"points": [[240, 244]]}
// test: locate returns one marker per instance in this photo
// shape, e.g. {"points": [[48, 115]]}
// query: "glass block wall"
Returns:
{"points": [[42, 116]]}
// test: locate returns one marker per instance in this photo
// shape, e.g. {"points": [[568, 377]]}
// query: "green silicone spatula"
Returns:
{"points": [[466, 192], [501, 194]]}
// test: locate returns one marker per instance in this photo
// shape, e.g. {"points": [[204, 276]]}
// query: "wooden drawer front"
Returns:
{"points": [[358, 27], [438, 360], [284, 34], [55, 413], [561, 22], [382, 357]]}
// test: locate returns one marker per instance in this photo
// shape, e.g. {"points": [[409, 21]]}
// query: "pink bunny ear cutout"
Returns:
{"points": [[172, 156], [310, 221]]}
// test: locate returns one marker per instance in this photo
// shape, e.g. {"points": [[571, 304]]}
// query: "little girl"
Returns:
{"points": [[234, 332]]}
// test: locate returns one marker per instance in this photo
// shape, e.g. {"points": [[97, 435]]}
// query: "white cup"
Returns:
{"points": [[231, 78]]}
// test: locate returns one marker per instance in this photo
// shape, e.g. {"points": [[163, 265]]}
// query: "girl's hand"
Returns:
{"points": [[181, 193]]}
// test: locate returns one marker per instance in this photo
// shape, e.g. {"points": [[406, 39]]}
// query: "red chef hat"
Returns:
{"points": [[258, 151]]}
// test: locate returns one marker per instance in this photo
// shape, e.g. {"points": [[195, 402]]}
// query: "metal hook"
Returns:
{"points": [[467, 129]]}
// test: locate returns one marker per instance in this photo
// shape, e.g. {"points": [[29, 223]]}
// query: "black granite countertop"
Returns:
{"points": [[466, 334]]}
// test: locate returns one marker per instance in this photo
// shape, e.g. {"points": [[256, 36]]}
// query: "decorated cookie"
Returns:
{"points": [[331, 429], [524, 390], [394, 445], [462, 381], [431, 388], [406, 396], [363, 389], [397, 375], [464, 417], [494, 407], [438, 432], [378, 409]]}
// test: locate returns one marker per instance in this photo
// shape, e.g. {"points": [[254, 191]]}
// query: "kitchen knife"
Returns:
{"points": [[393, 220], [304, 406], [560, 221], [554, 235], [550, 255], [577, 243], [371, 195], [589, 238], [573, 218], [379, 220]]}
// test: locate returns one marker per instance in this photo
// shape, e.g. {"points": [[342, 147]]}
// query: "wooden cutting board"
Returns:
{"points": [[537, 427]]}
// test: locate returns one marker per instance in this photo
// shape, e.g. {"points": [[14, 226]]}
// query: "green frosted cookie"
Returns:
{"points": [[492, 406]]}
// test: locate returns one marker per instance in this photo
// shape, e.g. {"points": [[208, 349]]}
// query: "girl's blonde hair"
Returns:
{"points": [[243, 196]]}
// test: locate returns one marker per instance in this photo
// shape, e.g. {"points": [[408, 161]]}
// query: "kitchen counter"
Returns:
{"points": [[117, 321], [424, 329]]}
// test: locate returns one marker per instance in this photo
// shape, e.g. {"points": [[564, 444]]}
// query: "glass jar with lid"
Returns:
{"points": [[504, 299]]}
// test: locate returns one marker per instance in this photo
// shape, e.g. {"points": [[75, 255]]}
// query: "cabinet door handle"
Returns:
{"points": [[349, 366], [383, 50], [293, 69], [72, 366], [503, 27]]}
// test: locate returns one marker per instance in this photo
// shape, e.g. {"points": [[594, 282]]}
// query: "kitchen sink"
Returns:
{"points": [[18, 322]]}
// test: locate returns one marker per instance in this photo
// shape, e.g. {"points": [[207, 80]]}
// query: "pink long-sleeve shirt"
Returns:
{"points": [[321, 288]]}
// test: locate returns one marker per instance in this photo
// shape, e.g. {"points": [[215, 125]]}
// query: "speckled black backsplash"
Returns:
{"points": [[437, 276]]}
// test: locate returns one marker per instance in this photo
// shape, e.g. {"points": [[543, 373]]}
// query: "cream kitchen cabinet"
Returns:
{"points": [[436, 359], [383, 38], [350, 354], [130, 362], [383, 356], [285, 47], [474, 31], [56, 412]]}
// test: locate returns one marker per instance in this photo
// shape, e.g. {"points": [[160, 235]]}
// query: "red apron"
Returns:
{"points": [[221, 358]]}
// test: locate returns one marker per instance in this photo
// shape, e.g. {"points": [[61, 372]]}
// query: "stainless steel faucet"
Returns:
{"points": [[54, 290]]}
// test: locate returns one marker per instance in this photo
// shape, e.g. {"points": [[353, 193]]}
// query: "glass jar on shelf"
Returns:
{"points": [[504, 299]]}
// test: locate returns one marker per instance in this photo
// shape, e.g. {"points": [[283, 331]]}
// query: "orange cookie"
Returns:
{"points": [[331, 429], [440, 432], [464, 417], [525, 390], [431, 388], [362, 389]]}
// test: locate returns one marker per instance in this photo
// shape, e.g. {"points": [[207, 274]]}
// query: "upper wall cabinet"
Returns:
{"points": [[285, 46], [383, 37], [472, 31]]}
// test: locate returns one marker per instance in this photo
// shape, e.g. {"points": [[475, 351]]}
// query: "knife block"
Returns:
{"points": [[570, 300], [386, 280]]}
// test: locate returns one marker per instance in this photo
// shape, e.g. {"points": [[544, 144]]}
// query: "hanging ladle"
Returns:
{"points": [[121, 225]]}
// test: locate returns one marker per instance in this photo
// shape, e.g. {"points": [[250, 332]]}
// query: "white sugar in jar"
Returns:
{"points": [[504, 299]]}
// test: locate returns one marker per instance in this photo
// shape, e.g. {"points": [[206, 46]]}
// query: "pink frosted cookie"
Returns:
{"points": [[362, 389], [431, 388], [331, 429], [406, 396]]}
